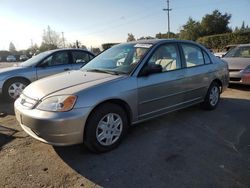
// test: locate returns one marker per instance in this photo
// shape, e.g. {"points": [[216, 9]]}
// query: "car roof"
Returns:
{"points": [[241, 45], [155, 41], [64, 49]]}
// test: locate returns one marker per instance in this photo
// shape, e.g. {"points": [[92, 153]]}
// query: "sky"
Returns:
{"points": [[94, 22]]}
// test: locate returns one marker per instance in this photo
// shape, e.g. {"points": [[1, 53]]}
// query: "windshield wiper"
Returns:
{"points": [[103, 71]]}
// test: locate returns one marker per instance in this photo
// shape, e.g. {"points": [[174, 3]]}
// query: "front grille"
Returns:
{"points": [[235, 79], [27, 101]]}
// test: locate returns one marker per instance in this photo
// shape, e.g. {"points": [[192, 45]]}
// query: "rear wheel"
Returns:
{"points": [[105, 128], [212, 98], [13, 88]]}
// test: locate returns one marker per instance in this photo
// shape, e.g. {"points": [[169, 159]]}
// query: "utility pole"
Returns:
{"points": [[168, 10], [63, 40]]}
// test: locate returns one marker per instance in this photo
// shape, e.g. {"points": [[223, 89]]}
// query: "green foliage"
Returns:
{"points": [[215, 23], [211, 24], [191, 30], [165, 35], [222, 40]]}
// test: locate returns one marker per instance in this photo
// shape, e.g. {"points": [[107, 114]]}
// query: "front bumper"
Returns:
{"points": [[55, 128], [239, 77]]}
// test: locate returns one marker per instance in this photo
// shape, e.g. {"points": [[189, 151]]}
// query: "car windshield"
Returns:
{"points": [[34, 60], [242, 51], [120, 59]]}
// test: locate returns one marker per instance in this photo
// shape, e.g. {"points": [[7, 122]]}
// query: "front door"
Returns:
{"points": [[55, 63], [162, 92]]}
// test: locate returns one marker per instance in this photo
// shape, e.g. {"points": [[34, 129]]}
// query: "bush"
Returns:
{"points": [[220, 41]]}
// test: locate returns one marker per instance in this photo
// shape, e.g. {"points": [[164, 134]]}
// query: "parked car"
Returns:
{"points": [[225, 50], [10, 58], [238, 60], [97, 103], [14, 79], [23, 57]]}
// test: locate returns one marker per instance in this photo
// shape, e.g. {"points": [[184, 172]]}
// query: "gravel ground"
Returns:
{"points": [[187, 148]]}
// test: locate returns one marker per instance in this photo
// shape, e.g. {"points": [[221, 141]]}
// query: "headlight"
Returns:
{"points": [[247, 69], [61, 103]]}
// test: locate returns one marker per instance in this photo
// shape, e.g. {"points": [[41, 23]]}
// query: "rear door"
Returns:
{"points": [[199, 71], [162, 92], [53, 64]]}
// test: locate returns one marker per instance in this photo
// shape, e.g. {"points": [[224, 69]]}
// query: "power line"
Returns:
{"points": [[168, 10]]}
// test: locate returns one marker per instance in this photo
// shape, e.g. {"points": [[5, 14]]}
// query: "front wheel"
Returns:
{"points": [[212, 98], [13, 88], [105, 128]]}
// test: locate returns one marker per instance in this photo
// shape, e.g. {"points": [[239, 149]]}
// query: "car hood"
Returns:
{"points": [[71, 82], [237, 62]]}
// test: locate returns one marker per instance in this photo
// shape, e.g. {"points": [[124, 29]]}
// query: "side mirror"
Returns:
{"points": [[43, 65], [151, 69]]}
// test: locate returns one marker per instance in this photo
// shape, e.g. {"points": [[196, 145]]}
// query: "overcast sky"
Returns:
{"points": [[94, 22]]}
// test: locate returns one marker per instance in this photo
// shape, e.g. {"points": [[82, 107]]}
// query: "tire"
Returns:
{"points": [[13, 88], [105, 128], [212, 98]]}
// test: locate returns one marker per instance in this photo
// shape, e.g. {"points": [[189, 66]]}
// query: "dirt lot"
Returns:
{"points": [[187, 148]]}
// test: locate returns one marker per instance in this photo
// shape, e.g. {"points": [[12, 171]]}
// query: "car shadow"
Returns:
{"points": [[240, 87], [6, 107], [6, 135], [187, 148]]}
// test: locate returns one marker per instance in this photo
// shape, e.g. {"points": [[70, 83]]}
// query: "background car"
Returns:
{"points": [[124, 85], [225, 50], [23, 57], [238, 60], [10, 58], [14, 79]]}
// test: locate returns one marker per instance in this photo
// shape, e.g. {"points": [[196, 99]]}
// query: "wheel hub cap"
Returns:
{"points": [[16, 89], [214, 96], [109, 129]]}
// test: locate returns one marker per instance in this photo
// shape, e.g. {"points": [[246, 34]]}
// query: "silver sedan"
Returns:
{"points": [[14, 79], [238, 60], [127, 84]]}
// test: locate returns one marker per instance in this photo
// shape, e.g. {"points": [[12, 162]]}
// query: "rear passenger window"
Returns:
{"points": [[80, 57], [193, 55], [167, 56]]}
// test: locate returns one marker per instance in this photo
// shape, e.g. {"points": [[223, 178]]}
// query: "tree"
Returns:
{"points": [[131, 37], [165, 35], [32, 50], [191, 30], [12, 47], [215, 23], [51, 40], [77, 44]]}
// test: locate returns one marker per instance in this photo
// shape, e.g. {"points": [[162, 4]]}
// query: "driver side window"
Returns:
{"points": [[60, 58], [167, 56]]}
